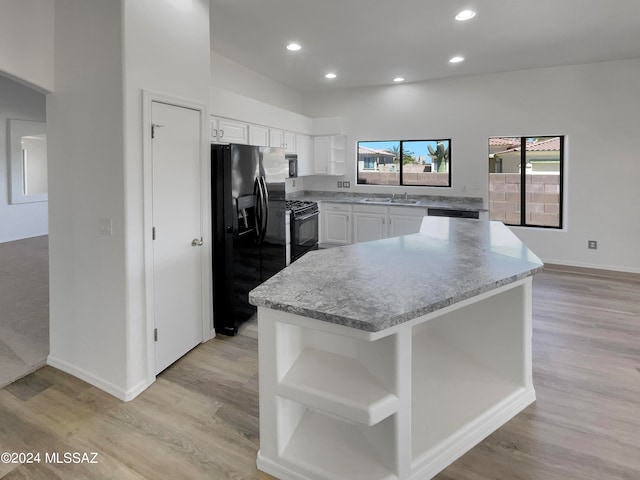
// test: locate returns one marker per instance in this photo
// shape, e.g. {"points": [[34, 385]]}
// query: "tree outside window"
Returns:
{"points": [[405, 162]]}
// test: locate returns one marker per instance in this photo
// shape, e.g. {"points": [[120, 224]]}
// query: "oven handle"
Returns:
{"points": [[305, 217]]}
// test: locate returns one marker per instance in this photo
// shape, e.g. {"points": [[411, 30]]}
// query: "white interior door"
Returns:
{"points": [[177, 222]]}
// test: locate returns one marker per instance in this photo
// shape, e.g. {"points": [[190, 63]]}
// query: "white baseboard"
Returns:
{"points": [[601, 269], [122, 394]]}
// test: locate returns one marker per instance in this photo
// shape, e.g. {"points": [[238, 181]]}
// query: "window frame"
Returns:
{"points": [[523, 181], [401, 165]]}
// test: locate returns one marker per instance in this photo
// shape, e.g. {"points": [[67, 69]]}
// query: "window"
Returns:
{"points": [[525, 180], [424, 163]]}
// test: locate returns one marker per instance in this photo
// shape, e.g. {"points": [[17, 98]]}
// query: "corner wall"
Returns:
{"points": [[86, 186], [107, 53]]}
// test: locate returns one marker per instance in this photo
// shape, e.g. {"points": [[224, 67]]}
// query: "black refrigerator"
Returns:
{"points": [[249, 227]]}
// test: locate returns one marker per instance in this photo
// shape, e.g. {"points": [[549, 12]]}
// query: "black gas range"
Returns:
{"points": [[301, 207], [304, 226]]}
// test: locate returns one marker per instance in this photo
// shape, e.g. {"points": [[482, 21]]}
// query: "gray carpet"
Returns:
{"points": [[24, 307]]}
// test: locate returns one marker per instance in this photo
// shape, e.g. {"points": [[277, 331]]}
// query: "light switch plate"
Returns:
{"points": [[105, 226]]}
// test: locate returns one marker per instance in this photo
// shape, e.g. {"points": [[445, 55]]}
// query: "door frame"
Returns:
{"points": [[148, 97]]}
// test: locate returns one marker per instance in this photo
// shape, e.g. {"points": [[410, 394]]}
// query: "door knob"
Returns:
{"points": [[197, 242]]}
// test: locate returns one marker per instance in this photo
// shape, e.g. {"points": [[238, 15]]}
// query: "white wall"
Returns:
{"points": [[86, 184], [106, 53], [26, 42], [233, 77], [22, 220], [596, 106]]}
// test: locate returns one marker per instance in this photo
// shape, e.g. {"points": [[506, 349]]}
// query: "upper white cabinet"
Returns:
{"points": [[259, 135], [283, 139], [228, 131], [305, 158], [329, 154], [317, 155], [321, 153]]}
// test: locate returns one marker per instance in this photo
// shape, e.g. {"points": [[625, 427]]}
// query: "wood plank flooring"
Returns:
{"points": [[200, 419]]}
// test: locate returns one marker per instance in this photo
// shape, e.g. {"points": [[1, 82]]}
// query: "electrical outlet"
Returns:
{"points": [[339, 184], [346, 184], [593, 244], [293, 183]]}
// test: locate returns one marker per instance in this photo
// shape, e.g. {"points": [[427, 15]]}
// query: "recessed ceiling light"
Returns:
{"points": [[456, 59], [465, 15], [398, 79], [330, 75], [294, 47]]}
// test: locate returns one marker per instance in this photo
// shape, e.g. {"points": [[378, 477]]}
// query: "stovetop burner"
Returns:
{"points": [[299, 207]]}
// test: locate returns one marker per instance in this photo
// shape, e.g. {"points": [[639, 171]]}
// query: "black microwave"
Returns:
{"points": [[293, 165]]}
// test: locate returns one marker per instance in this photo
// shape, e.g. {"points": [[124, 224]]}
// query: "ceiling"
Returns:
{"points": [[369, 42]]}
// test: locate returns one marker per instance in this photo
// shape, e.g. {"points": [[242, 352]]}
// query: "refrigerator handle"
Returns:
{"points": [[265, 206], [257, 193]]}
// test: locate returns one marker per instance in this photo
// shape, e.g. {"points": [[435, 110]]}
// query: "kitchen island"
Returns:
{"points": [[390, 359]]}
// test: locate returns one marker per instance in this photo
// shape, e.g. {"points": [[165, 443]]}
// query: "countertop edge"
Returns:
{"points": [[393, 321]]}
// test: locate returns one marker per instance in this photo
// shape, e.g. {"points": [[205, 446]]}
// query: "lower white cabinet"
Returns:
{"points": [[343, 223], [335, 224], [369, 223], [405, 220]]}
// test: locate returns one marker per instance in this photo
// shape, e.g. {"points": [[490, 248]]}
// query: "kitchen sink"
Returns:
{"points": [[400, 201]]}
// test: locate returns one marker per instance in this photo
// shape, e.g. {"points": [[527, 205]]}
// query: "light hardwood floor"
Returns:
{"points": [[200, 419]]}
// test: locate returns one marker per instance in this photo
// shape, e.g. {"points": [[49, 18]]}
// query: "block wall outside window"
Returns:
{"points": [[526, 171]]}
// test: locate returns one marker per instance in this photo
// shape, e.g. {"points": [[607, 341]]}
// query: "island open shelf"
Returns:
{"points": [[467, 366], [395, 386], [331, 448], [345, 377]]}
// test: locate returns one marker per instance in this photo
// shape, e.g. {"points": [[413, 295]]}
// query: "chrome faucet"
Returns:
{"points": [[406, 197], [393, 196]]}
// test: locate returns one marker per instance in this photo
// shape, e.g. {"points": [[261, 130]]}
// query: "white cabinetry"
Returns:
{"points": [[329, 154], [258, 135], [405, 220], [401, 403], [228, 131], [369, 223], [335, 223], [305, 159], [283, 139], [374, 222], [342, 224]]}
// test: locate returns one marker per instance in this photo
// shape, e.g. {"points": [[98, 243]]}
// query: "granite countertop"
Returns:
{"points": [[421, 201], [375, 285]]}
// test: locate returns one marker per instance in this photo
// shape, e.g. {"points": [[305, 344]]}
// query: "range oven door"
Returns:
{"points": [[304, 234]]}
